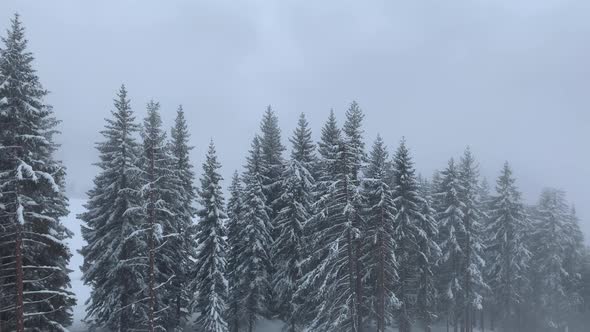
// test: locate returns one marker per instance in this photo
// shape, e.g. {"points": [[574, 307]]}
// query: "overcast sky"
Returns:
{"points": [[509, 78]]}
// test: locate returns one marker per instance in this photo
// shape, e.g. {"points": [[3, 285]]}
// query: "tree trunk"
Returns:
{"points": [[482, 321], [381, 282], [152, 219], [20, 310], [20, 306]]}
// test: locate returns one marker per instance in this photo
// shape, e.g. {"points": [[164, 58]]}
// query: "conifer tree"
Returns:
{"points": [[316, 251], [34, 279], [210, 284], [336, 273], [296, 200], [409, 236], [379, 257], [551, 238], [185, 211], [272, 159], [427, 258], [115, 249], [160, 188], [254, 264], [508, 255], [235, 211], [451, 234], [355, 150], [472, 246]]}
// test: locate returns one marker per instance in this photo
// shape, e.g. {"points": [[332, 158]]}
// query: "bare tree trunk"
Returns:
{"points": [[482, 321]]}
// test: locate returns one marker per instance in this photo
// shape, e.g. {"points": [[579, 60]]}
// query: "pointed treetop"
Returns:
{"points": [[378, 159], [302, 143]]}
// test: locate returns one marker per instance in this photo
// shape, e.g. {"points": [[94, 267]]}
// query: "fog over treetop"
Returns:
{"points": [[509, 79]]}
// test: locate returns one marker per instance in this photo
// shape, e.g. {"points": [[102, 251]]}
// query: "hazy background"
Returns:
{"points": [[509, 78]]}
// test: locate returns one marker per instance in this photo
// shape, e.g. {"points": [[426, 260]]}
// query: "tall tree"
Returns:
{"points": [[160, 190], [409, 236], [317, 248], [272, 159], [296, 200], [508, 255], [355, 150], [184, 209], [427, 258], [378, 256], [115, 249], [473, 242], [210, 284], [336, 222], [254, 264], [235, 211], [34, 278], [451, 234], [551, 239]]}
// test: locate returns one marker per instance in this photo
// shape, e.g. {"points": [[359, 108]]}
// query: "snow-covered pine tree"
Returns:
{"points": [[254, 266], [34, 278], [451, 234], [184, 208], [272, 160], [551, 239], [336, 225], [355, 149], [409, 236], [473, 243], [160, 191], [378, 253], [235, 224], [508, 255], [427, 259], [296, 200], [115, 250], [209, 282], [306, 298]]}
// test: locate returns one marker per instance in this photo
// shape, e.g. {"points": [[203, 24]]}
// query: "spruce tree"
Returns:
{"points": [[473, 243], [160, 191], [551, 239], [210, 283], [34, 278], [184, 209], [316, 250], [410, 237], [254, 265], [451, 234], [336, 273], [296, 200], [272, 159], [235, 211], [428, 256], [378, 256], [115, 249], [508, 255], [355, 150]]}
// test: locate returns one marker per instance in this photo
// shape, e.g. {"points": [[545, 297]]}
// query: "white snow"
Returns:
{"points": [[83, 292]]}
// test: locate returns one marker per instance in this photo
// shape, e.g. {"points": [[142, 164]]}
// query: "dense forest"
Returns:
{"points": [[325, 236]]}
